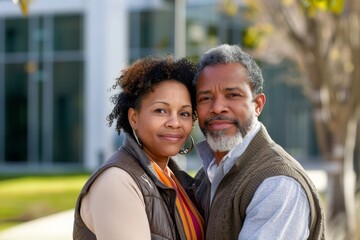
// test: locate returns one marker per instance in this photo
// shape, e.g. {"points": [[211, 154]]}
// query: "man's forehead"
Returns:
{"points": [[227, 71], [222, 85]]}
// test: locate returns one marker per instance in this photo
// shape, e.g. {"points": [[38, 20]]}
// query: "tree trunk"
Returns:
{"points": [[340, 199], [357, 159]]}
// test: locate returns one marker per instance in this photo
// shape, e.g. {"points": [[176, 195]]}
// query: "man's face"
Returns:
{"points": [[226, 106]]}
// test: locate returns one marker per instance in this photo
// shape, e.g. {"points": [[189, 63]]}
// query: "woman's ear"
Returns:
{"points": [[259, 101], [132, 116]]}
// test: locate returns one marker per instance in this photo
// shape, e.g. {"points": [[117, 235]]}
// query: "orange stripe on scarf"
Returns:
{"points": [[192, 221]]}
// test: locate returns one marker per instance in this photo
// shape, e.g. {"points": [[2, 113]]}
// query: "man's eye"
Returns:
{"points": [[204, 99], [232, 95]]}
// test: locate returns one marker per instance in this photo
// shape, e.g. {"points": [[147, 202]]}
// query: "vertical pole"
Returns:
{"points": [[180, 28]]}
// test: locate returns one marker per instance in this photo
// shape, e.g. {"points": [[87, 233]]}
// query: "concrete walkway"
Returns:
{"points": [[54, 227]]}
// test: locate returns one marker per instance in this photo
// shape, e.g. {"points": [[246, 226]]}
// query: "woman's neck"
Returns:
{"points": [[162, 162]]}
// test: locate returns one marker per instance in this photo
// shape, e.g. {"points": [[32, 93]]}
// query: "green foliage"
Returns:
{"points": [[26, 198], [255, 35], [229, 7], [333, 6]]}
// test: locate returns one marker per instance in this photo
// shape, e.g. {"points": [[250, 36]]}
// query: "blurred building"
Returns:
{"points": [[58, 64]]}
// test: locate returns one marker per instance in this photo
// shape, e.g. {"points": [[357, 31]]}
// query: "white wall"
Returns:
{"points": [[106, 54]]}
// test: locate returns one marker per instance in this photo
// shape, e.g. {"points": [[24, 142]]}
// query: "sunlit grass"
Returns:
{"points": [[30, 197], [26, 198]]}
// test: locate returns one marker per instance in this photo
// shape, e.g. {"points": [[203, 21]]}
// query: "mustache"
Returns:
{"points": [[208, 121]]}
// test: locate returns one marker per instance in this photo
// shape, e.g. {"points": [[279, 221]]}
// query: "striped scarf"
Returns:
{"points": [[192, 221]]}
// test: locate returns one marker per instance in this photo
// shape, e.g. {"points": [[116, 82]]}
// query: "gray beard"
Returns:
{"points": [[222, 143], [219, 142]]}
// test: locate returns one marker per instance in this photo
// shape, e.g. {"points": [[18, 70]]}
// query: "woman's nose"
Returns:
{"points": [[173, 121]]}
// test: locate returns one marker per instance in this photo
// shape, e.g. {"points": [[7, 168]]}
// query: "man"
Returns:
{"points": [[249, 187]]}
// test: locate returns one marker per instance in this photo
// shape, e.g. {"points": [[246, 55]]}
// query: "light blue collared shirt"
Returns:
{"points": [[271, 214]]}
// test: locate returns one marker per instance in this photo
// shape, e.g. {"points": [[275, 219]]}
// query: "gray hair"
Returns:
{"points": [[233, 54]]}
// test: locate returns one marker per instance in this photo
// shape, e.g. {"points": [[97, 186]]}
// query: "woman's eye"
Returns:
{"points": [[160, 110], [186, 114]]}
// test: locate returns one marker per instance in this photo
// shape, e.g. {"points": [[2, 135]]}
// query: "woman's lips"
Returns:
{"points": [[171, 137]]}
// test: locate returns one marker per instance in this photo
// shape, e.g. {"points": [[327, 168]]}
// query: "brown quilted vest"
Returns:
{"points": [[164, 220]]}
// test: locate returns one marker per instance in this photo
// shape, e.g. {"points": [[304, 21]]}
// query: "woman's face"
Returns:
{"points": [[164, 120]]}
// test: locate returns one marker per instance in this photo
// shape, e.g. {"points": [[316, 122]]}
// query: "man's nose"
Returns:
{"points": [[219, 106]]}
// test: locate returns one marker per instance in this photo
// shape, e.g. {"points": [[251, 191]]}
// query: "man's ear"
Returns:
{"points": [[259, 101], [132, 116]]}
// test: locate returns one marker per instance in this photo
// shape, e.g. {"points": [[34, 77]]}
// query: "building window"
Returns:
{"points": [[16, 111], [41, 69], [16, 35], [65, 26], [151, 33]]}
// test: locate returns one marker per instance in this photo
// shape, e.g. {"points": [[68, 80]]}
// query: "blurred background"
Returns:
{"points": [[59, 60]]}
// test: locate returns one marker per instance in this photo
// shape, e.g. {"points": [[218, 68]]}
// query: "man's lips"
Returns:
{"points": [[219, 124]]}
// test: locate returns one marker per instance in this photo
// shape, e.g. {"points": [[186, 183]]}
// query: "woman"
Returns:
{"points": [[137, 194]]}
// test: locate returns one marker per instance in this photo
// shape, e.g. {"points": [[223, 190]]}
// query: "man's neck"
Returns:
{"points": [[219, 156]]}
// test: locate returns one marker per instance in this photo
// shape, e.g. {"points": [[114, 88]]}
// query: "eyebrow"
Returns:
{"points": [[167, 104], [203, 92], [228, 89], [232, 89]]}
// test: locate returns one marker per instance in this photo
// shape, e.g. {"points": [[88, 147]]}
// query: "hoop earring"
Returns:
{"points": [[137, 139], [184, 151]]}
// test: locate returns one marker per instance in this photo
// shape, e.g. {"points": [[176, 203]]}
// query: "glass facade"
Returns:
{"points": [[41, 69], [151, 32]]}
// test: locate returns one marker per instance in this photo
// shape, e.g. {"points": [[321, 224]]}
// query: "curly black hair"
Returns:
{"points": [[140, 78]]}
